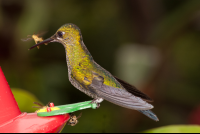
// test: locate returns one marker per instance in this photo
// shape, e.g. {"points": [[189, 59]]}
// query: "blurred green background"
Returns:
{"points": [[154, 45]]}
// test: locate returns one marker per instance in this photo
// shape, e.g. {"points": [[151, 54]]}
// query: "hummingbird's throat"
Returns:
{"points": [[77, 53]]}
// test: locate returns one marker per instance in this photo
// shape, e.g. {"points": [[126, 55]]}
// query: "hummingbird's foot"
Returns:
{"points": [[98, 105], [97, 101]]}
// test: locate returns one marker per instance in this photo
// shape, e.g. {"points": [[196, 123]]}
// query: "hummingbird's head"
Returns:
{"points": [[68, 34]]}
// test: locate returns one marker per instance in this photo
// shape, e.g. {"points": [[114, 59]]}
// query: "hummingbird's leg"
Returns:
{"points": [[97, 101]]}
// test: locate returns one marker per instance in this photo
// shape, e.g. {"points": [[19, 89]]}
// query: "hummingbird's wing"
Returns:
{"points": [[133, 90], [117, 96]]}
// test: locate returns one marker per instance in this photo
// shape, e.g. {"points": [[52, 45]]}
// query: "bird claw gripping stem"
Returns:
{"points": [[63, 109]]}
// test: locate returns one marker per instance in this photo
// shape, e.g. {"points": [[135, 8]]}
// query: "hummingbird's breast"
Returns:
{"points": [[81, 68], [79, 63]]}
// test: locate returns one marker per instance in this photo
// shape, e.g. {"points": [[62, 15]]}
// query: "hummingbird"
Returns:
{"points": [[92, 79]]}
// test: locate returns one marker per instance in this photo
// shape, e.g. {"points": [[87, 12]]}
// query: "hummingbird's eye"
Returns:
{"points": [[60, 34]]}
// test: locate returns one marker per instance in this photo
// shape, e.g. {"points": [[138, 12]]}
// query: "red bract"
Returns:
{"points": [[13, 121]]}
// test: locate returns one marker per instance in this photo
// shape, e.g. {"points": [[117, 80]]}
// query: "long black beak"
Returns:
{"points": [[45, 41]]}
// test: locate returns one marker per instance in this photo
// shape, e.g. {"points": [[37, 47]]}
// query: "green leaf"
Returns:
{"points": [[25, 100], [176, 129]]}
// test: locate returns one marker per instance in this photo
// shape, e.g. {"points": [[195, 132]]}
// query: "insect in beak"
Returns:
{"points": [[43, 42]]}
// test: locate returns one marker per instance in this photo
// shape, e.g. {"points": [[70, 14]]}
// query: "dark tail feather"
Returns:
{"points": [[149, 114]]}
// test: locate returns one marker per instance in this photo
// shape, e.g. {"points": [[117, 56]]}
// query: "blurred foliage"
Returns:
{"points": [[170, 75], [24, 100], [176, 129]]}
